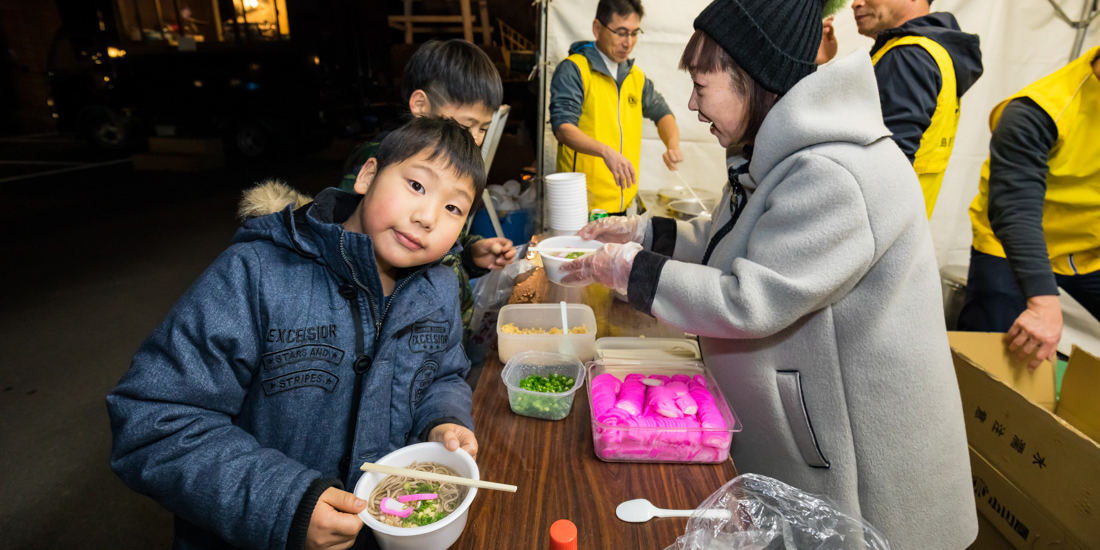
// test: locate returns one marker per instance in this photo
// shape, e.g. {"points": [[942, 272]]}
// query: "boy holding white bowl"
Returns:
{"points": [[325, 336]]}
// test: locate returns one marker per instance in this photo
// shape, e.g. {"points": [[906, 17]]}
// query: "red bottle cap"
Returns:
{"points": [[563, 535]]}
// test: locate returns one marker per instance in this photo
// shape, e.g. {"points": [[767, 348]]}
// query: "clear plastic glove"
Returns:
{"points": [[610, 265], [616, 229]]}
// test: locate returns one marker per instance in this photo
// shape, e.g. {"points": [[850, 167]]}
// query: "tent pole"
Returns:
{"points": [[544, 92], [1082, 24]]}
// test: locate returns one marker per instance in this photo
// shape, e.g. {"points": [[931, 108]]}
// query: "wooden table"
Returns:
{"points": [[554, 465]]}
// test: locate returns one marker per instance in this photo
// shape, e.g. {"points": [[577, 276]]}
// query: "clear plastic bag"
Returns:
{"points": [[491, 292], [767, 514]]}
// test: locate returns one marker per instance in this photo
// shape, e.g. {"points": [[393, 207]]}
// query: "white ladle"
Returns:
{"points": [[641, 510], [688, 186], [692, 191]]}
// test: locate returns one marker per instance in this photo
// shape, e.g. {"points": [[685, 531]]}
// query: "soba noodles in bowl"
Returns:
{"points": [[411, 502], [421, 521]]}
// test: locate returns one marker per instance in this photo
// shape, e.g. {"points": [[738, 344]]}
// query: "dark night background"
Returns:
{"points": [[98, 240]]}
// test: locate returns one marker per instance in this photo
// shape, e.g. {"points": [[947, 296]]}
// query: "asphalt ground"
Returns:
{"points": [[93, 255]]}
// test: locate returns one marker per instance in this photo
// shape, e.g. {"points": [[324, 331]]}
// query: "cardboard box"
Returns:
{"points": [[1022, 522], [988, 537], [1038, 447]]}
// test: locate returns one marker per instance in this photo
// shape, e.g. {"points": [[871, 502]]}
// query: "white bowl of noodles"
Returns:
{"points": [[438, 535], [558, 251]]}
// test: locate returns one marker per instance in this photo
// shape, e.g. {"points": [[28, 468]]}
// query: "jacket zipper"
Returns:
{"points": [[357, 389], [619, 121]]}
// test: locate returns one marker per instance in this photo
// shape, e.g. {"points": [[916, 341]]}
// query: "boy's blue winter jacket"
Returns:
{"points": [[279, 368]]}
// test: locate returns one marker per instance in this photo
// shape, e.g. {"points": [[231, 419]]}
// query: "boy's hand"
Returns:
{"points": [[454, 436], [334, 524], [493, 253]]}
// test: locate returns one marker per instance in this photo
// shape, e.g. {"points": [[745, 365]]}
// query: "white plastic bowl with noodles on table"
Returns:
{"points": [[438, 535]]}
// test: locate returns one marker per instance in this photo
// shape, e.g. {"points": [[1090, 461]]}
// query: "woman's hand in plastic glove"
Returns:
{"points": [[610, 265], [493, 253], [615, 229]]}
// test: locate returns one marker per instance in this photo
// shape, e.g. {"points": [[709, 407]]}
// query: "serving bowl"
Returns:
{"points": [[434, 536], [552, 264]]}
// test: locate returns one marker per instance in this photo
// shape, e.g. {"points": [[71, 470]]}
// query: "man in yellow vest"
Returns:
{"points": [[924, 64], [598, 98], [1036, 219]]}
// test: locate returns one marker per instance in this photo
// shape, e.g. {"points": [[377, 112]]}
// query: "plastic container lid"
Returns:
{"points": [[563, 535]]}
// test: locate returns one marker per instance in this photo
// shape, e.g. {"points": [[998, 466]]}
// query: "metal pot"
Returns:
{"points": [[686, 209], [668, 194]]}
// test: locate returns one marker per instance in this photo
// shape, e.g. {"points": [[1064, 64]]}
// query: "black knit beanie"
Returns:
{"points": [[774, 41]]}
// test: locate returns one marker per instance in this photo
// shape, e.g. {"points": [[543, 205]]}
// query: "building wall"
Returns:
{"points": [[26, 29]]}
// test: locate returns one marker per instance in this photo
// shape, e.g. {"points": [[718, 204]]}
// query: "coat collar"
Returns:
{"points": [[837, 103], [589, 51]]}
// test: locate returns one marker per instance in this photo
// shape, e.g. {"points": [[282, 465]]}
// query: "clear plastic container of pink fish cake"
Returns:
{"points": [[619, 436]]}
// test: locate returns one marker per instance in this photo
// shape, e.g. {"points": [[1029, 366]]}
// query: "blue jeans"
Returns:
{"points": [[994, 301]]}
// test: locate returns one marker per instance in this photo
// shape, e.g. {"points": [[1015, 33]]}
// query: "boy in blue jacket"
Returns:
{"points": [[323, 337]]}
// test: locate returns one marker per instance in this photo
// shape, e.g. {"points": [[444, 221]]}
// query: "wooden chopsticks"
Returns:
{"points": [[431, 476]]}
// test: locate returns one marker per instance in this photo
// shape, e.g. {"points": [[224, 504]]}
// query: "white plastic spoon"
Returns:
{"points": [[565, 347], [641, 510]]}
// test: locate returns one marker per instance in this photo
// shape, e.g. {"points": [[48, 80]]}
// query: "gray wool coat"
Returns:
{"points": [[820, 316]]}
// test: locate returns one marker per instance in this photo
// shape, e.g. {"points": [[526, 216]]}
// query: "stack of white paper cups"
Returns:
{"points": [[566, 201]]}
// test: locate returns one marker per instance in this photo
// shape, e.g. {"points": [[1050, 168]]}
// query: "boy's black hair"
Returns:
{"points": [[453, 72], [443, 137], [622, 8]]}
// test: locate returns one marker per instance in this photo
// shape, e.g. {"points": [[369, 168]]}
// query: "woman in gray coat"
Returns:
{"points": [[813, 285]]}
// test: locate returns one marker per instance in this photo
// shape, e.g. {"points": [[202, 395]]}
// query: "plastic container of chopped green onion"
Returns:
{"points": [[542, 384]]}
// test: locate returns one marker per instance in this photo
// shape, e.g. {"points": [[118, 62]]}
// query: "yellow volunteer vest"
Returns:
{"points": [[1071, 209], [612, 116], [930, 161]]}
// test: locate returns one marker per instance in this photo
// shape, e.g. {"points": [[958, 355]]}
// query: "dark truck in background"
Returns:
{"points": [[123, 70]]}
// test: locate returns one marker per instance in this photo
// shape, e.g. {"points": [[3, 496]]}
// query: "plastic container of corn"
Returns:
{"points": [[530, 327]]}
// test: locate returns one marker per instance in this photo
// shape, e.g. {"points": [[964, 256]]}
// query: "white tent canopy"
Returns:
{"points": [[1022, 40]]}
